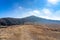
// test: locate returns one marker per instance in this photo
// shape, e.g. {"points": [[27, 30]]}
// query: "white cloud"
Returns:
{"points": [[34, 12], [46, 11], [20, 7], [56, 15], [53, 2], [52, 15]]}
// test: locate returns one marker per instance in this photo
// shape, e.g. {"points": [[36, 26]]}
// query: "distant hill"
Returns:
{"points": [[31, 19]]}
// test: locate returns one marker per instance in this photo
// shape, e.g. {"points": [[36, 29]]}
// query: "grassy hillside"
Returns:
{"points": [[29, 32]]}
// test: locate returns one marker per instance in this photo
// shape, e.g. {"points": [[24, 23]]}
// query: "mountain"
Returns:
{"points": [[29, 28], [26, 20], [40, 20]]}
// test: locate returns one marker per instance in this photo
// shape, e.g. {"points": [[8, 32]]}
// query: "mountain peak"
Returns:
{"points": [[32, 16]]}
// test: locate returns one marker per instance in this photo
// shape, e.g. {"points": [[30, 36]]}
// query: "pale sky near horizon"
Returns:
{"points": [[49, 9]]}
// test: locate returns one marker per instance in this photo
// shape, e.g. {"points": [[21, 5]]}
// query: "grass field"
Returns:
{"points": [[29, 32]]}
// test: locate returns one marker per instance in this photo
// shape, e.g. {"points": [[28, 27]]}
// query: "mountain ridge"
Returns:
{"points": [[32, 19]]}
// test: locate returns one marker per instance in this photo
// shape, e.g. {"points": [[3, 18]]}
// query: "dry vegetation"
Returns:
{"points": [[29, 32]]}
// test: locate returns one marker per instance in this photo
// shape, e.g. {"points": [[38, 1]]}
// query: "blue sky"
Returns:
{"points": [[49, 9]]}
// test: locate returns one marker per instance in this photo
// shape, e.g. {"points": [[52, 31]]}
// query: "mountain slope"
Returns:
{"points": [[31, 19], [40, 20]]}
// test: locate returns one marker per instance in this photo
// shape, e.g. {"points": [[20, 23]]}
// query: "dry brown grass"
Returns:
{"points": [[29, 32]]}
